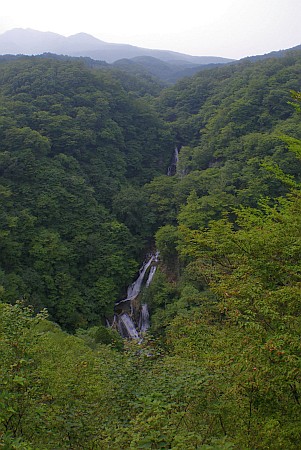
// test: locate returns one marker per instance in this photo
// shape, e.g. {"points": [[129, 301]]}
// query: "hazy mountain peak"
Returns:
{"points": [[84, 37], [30, 42]]}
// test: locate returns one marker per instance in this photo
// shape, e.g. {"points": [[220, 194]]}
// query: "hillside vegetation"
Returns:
{"points": [[85, 194], [71, 141]]}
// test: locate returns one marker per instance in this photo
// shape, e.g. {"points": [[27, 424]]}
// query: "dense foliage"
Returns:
{"points": [[83, 186], [71, 141], [230, 122]]}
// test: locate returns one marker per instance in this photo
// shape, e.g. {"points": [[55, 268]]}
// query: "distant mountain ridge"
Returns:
{"points": [[274, 54], [167, 71], [33, 42]]}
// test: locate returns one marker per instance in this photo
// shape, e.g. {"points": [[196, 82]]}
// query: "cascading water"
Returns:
{"points": [[152, 270], [126, 327], [151, 275], [124, 321], [172, 169], [144, 319], [135, 287]]}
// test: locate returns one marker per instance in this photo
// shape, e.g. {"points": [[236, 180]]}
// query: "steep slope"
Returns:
{"points": [[221, 367], [231, 125], [228, 123], [71, 140]]}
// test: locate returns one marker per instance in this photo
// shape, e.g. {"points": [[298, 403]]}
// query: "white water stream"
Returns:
{"points": [[124, 321], [172, 169]]}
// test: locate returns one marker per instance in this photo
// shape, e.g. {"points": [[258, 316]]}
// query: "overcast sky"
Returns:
{"points": [[229, 28]]}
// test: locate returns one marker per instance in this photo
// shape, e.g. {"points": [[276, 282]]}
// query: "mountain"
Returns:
{"points": [[32, 42], [86, 194], [167, 71], [274, 54]]}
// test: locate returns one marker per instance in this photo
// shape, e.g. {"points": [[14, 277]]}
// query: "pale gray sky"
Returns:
{"points": [[229, 28]]}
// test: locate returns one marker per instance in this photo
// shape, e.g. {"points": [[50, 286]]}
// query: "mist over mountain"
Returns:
{"points": [[107, 168], [167, 71], [275, 54], [32, 42]]}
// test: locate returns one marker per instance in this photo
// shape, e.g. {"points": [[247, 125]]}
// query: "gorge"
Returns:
{"points": [[85, 192], [131, 318]]}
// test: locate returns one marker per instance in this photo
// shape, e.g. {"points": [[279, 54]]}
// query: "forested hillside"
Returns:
{"points": [[85, 194], [71, 141]]}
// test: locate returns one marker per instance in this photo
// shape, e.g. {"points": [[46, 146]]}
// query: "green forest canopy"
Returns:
{"points": [[83, 185]]}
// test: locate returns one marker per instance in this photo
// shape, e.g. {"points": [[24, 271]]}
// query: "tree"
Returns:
{"points": [[255, 273]]}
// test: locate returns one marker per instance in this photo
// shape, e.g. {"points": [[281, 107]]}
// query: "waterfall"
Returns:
{"points": [[150, 275], [152, 270], [172, 169], [126, 327], [135, 288], [144, 319], [176, 156], [124, 321]]}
